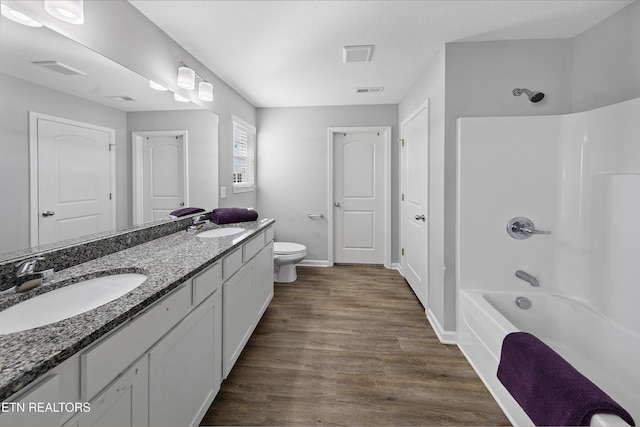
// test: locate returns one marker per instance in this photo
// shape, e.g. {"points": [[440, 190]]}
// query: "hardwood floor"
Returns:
{"points": [[350, 345]]}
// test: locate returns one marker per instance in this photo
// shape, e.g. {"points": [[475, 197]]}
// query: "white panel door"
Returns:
{"points": [[414, 257], [358, 195], [163, 179], [74, 180]]}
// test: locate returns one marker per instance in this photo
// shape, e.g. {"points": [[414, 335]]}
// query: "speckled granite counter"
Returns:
{"points": [[167, 261]]}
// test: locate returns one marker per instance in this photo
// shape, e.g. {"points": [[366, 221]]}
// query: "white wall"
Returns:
{"points": [[292, 151], [18, 98], [202, 143], [607, 61]]}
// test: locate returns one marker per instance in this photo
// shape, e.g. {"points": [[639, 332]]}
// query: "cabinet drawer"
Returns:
{"points": [[269, 235], [205, 283], [107, 359], [252, 247], [231, 263]]}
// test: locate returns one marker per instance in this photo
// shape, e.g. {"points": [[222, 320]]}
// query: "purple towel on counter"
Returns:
{"points": [[231, 215], [185, 211], [548, 388]]}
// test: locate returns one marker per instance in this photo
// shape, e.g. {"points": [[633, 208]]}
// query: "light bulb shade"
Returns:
{"points": [[205, 91], [156, 86], [70, 11], [180, 98], [186, 78], [18, 17]]}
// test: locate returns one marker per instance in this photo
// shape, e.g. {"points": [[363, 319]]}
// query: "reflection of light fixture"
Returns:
{"points": [[70, 11], [205, 91], [18, 17], [156, 86], [186, 78], [180, 98]]}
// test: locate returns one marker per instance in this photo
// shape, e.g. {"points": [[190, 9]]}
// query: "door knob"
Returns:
{"points": [[336, 204], [420, 217], [181, 203], [48, 213]]}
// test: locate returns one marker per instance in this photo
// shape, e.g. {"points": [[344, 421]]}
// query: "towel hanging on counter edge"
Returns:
{"points": [[231, 215], [548, 388], [184, 212]]}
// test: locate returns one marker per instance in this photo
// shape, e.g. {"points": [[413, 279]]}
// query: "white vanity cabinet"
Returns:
{"points": [[165, 365], [246, 295], [24, 409]]}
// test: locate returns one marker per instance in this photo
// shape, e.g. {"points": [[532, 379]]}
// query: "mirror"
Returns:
{"points": [[44, 74]]}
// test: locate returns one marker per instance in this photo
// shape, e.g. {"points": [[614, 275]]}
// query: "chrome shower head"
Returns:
{"points": [[533, 96]]}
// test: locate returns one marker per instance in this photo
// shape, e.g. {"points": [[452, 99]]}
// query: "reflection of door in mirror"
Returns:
{"points": [[74, 169], [159, 170]]}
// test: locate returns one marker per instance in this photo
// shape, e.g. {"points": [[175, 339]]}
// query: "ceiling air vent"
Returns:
{"points": [[357, 53], [59, 67], [369, 89], [121, 98]]}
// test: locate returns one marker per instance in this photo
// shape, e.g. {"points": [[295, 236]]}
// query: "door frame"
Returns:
{"points": [[386, 131], [34, 211], [137, 161], [403, 185]]}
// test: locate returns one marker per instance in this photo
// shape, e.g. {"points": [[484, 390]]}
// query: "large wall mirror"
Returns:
{"points": [[81, 134]]}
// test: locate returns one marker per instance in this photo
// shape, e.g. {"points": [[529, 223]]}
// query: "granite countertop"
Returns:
{"points": [[167, 261]]}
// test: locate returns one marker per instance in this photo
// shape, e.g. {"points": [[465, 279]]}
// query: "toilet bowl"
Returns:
{"points": [[285, 257]]}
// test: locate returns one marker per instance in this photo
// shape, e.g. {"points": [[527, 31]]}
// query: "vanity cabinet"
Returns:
{"points": [[246, 296], [165, 365], [23, 409]]}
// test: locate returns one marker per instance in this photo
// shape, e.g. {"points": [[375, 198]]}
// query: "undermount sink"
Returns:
{"points": [[67, 301], [221, 232]]}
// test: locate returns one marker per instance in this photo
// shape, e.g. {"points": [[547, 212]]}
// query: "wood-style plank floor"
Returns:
{"points": [[350, 345]]}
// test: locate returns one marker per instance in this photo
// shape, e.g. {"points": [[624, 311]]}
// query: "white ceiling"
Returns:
{"points": [[289, 53]]}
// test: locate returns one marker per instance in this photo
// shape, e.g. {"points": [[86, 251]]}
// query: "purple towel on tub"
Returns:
{"points": [[231, 215], [548, 388], [185, 211]]}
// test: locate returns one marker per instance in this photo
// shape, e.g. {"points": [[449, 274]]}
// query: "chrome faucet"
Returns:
{"points": [[25, 277], [523, 275], [198, 222]]}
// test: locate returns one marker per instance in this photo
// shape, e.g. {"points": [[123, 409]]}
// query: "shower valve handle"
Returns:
{"points": [[522, 228]]}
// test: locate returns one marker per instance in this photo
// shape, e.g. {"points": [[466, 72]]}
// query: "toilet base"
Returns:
{"points": [[285, 273]]}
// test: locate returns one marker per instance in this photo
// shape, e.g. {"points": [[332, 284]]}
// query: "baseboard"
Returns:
{"points": [[397, 266], [314, 263], [445, 337]]}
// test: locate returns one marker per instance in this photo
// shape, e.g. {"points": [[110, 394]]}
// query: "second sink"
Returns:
{"points": [[221, 232]]}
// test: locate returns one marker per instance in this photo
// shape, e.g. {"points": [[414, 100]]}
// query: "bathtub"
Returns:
{"points": [[600, 349]]}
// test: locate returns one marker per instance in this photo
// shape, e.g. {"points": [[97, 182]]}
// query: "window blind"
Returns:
{"points": [[244, 150]]}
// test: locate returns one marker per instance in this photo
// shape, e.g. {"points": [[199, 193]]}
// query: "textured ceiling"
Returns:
{"points": [[289, 53]]}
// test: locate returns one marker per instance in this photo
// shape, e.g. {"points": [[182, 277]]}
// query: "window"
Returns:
{"points": [[244, 156]]}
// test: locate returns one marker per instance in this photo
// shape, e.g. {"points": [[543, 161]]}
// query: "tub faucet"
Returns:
{"points": [[25, 277], [523, 275]]}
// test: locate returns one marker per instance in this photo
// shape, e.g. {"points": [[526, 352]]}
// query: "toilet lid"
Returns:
{"points": [[288, 248]]}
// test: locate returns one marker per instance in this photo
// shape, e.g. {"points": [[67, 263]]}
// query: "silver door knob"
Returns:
{"points": [[48, 213], [181, 203], [336, 204], [420, 217]]}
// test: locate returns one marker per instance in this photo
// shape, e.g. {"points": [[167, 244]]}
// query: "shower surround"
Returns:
{"points": [[578, 176]]}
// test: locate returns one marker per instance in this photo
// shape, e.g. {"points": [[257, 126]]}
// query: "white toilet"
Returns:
{"points": [[285, 257]]}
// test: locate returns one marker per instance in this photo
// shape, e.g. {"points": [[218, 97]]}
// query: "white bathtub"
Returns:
{"points": [[603, 351]]}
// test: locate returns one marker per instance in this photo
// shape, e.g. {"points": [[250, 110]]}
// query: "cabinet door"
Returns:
{"points": [[262, 281], [182, 382], [24, 410], [237, 309], [121, 404]]}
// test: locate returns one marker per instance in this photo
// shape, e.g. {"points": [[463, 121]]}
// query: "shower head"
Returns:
{"points": [[533, 96]]}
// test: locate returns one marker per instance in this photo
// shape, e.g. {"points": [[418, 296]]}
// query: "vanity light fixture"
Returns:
{"points": [[157, 86], [18, 17], [205, 91], [186, 77], [180, 98], [70, 11]]}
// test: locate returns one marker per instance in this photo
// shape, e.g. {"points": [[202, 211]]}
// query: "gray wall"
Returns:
{"points": [[18, 98], [202, 145], [607, 61], [292, 151]]}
